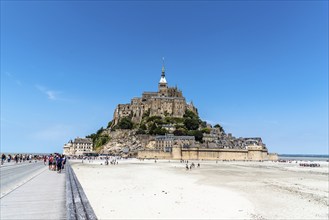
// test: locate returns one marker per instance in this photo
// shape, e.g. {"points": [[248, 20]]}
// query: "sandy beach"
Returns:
{"points": [[136, 189]]}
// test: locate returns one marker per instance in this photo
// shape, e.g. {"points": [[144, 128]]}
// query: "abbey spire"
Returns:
{"points": [[163, 87], [163, 77]]}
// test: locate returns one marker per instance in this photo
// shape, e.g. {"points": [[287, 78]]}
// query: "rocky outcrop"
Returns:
{"points": [[122, 142]]}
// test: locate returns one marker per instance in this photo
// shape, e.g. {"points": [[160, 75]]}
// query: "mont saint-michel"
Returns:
{"points": [[163, 125]]}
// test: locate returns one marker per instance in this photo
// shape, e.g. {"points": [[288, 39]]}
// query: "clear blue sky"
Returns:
{"points": [[259, 68]]}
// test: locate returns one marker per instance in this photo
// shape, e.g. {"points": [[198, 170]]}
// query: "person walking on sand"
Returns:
{"points": [[3, 158]]}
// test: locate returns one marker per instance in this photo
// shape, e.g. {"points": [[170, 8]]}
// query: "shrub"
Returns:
{"points": [[219, 127], [190, 114], [125, 123], [191, 123], [100, 141], [160, 131], [140, 131], [109, 124], [154, 118], [180, 132], [197, 134], [100, 131]]}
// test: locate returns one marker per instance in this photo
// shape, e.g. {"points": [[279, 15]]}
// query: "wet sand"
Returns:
{"points": [[225, 190]]}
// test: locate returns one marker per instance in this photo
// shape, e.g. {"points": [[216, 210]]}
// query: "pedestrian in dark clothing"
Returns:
{"points": [[59, 163]]}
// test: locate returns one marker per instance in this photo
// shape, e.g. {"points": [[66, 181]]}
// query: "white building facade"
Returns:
{"points": [[78, 147]]}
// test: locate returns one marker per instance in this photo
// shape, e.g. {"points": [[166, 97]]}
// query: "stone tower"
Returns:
{"points": [[163, 86]]}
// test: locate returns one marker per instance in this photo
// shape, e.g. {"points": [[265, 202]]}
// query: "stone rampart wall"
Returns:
{"points": [[273, 157], [214, 154], [154, 154], [209, 154]]}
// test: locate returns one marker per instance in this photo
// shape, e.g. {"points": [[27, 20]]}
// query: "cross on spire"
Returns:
{"points": [[163, 68]]}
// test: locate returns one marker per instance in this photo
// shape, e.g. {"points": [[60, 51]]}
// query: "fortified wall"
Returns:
{"points": [[253, 153], [209, 154]]}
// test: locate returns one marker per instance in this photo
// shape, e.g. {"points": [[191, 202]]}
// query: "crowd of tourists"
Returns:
{"points": [[19, 158], [56, 162]]}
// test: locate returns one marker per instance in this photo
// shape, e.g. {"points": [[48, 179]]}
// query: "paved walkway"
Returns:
{"points": [[43, 197]]}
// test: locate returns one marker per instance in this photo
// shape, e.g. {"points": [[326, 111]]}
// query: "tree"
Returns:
{"points": [[177, 126], [203, 124], [154, 118], [206, 130], [219, 127], [109, 124], [197, 134], [160, 131], [190, 114], [140, 131], [100, 141], [143, 127], [100, 131], [180, 132], [152, 128], [178, 120], [93, 136], [191, 123], [125, 123]]}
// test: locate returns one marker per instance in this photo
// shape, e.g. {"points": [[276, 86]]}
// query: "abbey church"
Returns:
{"points": [[167, 101]]}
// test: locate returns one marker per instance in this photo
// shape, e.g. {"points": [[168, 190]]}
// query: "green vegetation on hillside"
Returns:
{"points": [[109, 124], [188, 125], [125, 123], [99, 139]]}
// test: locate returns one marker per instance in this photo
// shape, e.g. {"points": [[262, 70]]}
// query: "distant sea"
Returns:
{"points": [[304, 157]]}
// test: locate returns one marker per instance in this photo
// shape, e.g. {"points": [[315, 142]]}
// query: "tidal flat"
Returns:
{"points": [[136, 189]]}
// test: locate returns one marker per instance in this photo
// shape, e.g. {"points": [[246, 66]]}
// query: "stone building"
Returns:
{"points": [[68, 148], [166, 142], [167, 101], [78, 147]]}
